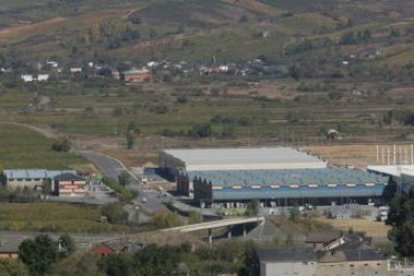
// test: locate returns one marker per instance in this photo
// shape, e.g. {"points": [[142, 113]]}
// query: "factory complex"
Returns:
{"points": [[289, 187], [276, 176]]}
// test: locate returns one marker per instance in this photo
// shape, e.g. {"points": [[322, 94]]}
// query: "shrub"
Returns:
{"points": [[114, 213], [62, 146]]}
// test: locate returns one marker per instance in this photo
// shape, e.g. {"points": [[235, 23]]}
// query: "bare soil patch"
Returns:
{"points": [[371, 228], [15, 32]]}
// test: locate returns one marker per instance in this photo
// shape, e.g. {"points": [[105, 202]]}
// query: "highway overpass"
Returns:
{"points": [[217, 224]]}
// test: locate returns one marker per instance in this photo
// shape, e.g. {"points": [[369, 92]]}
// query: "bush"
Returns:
{"points": [[252, 208], [194, 217], [114, 213], [123, 194], [165, 220], [62, 146], [294, 214], [124, 178], [201, 131]]}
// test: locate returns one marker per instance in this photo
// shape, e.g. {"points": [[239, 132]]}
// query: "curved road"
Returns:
{"points": [[111, 167]]}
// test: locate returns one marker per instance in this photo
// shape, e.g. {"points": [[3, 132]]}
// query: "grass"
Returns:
{"points": [[402, 58], [67, 112], [25, 148], [310, 23], [54, 217]]}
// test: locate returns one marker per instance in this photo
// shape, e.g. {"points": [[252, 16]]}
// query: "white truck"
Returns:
{"points": [[382, 213]]}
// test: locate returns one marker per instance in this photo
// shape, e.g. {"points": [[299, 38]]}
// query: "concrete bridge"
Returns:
{"points": [[210, 225]]}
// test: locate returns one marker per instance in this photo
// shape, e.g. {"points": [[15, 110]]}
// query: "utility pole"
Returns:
{"points": [[395, 154], [388, 155]]}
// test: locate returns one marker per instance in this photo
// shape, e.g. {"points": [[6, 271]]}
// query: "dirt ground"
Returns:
{"points": [[18, 31], [359, 156], [147, 147], [371, 228]]}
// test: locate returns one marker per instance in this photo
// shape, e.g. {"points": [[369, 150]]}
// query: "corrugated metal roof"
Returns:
{"points": [[393, 170], [214, 156], [25, 173], [68, 177], [34, 173], [53, 174], [301, 177]]}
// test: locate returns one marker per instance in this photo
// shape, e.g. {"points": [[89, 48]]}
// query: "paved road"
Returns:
{"points": [[111, 167], [82, 239]]}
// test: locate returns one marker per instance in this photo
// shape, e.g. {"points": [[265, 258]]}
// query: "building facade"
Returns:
{"points": [[289, 187], [69, 184], [306, 262], [35, 179]]}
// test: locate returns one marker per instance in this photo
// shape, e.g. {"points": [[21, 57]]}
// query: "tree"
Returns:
{"points": [[294, 214], [201, 131], [401, 218], [133, 127], [130, 138], [153, 260], [38, 254], [62, 146], [12, 267], [252, 208], [66, 245], [124, 178]]}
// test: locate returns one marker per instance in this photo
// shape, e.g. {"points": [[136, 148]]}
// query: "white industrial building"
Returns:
{"points": [[394, 171], [402, 175], [179, 162]]}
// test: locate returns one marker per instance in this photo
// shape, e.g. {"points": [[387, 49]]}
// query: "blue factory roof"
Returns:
{"points": [[301, 177]]}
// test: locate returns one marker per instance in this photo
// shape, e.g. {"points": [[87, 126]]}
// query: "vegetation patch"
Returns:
{"points": [[55, 217], [24, 148]]}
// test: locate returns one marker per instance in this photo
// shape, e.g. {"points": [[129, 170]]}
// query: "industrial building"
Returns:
{"points": [[288, 187], [30, 178], [178, 163], [401, 175]]}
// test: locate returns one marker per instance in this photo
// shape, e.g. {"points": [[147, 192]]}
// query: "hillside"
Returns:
{"points": [[195, 30], [293, 70]]}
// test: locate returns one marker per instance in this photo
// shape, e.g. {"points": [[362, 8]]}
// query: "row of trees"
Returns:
{"points": [[402, 116], [232, 257]]}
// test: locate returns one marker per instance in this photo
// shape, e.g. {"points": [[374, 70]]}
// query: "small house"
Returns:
{"points": [[137, 75], [42, 77], [27, 78], [9, 249], [75, 70], [102, 249]]}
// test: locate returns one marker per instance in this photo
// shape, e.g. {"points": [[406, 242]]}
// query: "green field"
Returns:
{"points": [[54, 217], [24, 148]]}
